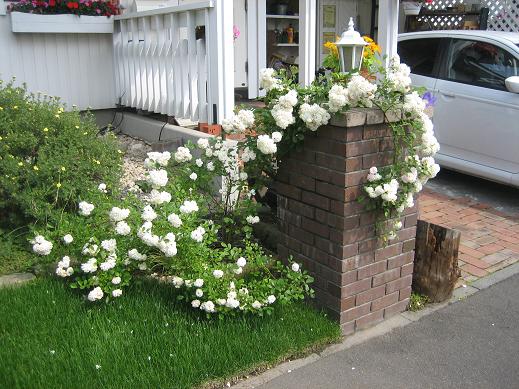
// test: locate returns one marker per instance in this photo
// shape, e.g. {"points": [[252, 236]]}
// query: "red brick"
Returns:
{"points": [[316, 200], [346, 209], [372, 269], [304, 155], [301, 235], [345, 223], [386, 144], [408, 245], [394, 309], [357, 287], [471, 252], [352, 236], [387, 276], [301, 181], [401, 283], [407, 269], [354, 164], [407, 233], [324, 145], [301, 209], [473, 261], [364, 259], [331, 162], [362, 147], [352, 193], [355, 313], [370, 295], [368, 218], [356, 178], [388, 252], [288, 190], [400, 260], [348, 278], [385, 301], [315, 227], [411, 220], [335, 178], [405, 293], [376, 131], [369, 320], [331, 191], [474, 270]]}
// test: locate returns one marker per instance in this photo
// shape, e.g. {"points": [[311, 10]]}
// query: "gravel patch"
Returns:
{"points": [[135, 151]]}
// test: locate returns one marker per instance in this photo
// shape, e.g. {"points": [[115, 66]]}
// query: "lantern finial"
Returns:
{"points": [[351, 25]]}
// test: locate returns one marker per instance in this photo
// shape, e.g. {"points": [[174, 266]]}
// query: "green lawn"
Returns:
{"points": [[51, 338]]}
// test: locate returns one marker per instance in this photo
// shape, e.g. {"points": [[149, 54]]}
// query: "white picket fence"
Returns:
{"points": [[161, 67]]}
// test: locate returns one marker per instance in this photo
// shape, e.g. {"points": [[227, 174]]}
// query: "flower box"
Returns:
{"points": [[63, 23], [412, 7]]}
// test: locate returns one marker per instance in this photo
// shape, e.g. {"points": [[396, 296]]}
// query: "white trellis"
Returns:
{"points": [[504, 15]]}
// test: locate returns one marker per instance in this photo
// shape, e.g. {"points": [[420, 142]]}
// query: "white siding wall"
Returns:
{"points": [[76, 67]]}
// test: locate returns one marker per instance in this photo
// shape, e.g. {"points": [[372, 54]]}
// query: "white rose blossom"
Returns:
{"points": [[117, 214], [183, 155], [68, 239], [157, 178], [41, 246], [95, 294], [266, 145], [85, 209]]}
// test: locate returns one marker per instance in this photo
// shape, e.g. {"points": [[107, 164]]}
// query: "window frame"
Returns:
{"points": [[449, 51], [439, 57]]}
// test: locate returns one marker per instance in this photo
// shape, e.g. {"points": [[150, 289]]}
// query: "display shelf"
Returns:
{"points": [[271, 16], [286, 44]]}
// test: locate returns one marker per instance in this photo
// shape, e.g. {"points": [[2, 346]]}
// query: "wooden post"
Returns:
{"points": [[220, 55], [436, 261], [388, 26]]}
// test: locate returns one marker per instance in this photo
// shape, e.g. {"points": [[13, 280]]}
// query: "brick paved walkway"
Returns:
{"points": [[489, 238]]}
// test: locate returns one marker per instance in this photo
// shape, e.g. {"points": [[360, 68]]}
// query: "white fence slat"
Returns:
{"points": [[161, 66], [201, 65], [192, 73], [184, 66]]}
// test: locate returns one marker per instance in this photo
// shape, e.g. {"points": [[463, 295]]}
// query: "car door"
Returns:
{"points": [[476, 118], [422, 55]]}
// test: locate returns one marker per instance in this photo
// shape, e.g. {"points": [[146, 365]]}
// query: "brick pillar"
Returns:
{"points": [[358, 280]]}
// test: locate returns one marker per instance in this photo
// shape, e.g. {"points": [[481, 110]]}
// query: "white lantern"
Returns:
{"points": [[351, 49]]}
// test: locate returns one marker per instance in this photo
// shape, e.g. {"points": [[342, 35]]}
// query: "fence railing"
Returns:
{"points": [[166, 62]]}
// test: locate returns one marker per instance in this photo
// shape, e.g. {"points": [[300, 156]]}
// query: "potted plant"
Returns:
{"points": [[63, 16]]}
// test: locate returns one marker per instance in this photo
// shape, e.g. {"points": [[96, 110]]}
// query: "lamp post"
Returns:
{"points": [[351, 49]]}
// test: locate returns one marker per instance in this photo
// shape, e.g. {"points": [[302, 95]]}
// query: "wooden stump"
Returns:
{"points": [[436, 261]]}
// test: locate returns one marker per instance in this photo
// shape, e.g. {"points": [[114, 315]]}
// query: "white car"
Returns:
{"points": [[474, 78]]}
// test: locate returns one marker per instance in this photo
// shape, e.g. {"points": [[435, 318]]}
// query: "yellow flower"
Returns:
{"points": [[45, 129], [85, 133], [332, 47], [1, 108], [77, 126], [119, 151], [58, 185], [57, 116], [35, 168], [3, 138], [15, 107], [20, 163], [63, 168]]}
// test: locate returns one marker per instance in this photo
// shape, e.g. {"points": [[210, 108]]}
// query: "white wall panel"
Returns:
{"points": [[76, 67]]}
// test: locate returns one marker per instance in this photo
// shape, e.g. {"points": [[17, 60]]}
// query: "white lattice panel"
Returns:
{"points": [[442, 4], [504, 15]]}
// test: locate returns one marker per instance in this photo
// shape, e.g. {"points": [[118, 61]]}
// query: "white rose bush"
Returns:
{"points": [[181, 230], [293, 112], [191, 225]]}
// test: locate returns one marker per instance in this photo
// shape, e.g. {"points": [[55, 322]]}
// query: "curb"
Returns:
{"points": [[397, 321]]}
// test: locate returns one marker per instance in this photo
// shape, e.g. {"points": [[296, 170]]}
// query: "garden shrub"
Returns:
{"points": [[49, 158]]}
